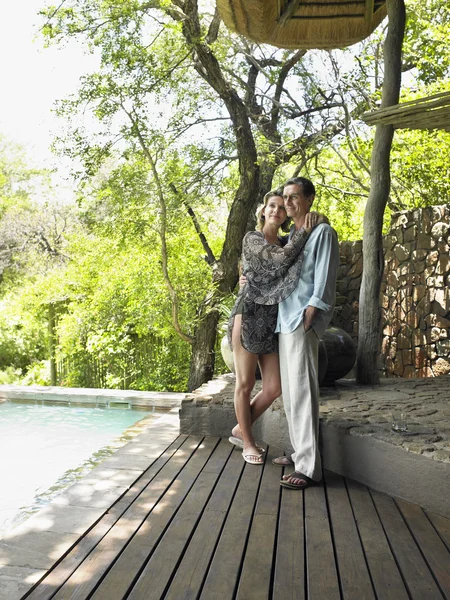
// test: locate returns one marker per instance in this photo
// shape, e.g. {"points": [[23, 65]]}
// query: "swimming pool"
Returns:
{"points": [[46, 447]]}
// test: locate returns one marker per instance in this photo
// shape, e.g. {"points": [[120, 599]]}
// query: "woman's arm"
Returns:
{"points": [[258, 254], [271, 270], [271, 259]]}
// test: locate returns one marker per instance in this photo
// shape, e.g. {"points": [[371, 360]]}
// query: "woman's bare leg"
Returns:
{"points": [[245, 367], [271, 388]]}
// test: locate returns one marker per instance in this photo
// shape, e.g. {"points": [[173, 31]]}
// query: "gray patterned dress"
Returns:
{"points": [[272, 273]]}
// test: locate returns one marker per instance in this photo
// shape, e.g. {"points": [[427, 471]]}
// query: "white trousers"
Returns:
{"points": [[299, 358]]}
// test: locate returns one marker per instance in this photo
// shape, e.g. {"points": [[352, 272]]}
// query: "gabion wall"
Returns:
{"points": [[415, 293]]}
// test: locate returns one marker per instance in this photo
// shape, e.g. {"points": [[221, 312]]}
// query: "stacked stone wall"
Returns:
{"points": [[347, 287], [415, 293]]}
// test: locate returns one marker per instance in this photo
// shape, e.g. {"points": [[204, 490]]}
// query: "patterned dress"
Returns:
{"points": [[272, 273]]}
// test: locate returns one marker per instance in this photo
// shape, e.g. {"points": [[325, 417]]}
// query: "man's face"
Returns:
{"points": [[295, 202]]}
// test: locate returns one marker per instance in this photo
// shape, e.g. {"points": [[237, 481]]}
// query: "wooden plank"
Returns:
{"points": [[83, 581], [223, 573], [322, 579], [128, 566], [189, 577], [256, 572], [351, 563], [415, 571], [157, 573], [383, 569], [289, 570], [56, 577], [442, 526], [432, 547]]}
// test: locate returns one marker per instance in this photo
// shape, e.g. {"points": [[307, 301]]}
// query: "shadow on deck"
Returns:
{"points": [[200, 523]]}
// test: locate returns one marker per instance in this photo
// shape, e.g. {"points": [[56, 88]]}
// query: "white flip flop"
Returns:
{"points": [[240, 444]]}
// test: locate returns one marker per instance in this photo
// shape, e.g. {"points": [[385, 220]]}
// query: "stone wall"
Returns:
{"points": [[415, 293], [347, 288]]}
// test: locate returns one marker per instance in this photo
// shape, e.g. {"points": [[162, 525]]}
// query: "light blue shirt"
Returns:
{"points": [[316, 285]]}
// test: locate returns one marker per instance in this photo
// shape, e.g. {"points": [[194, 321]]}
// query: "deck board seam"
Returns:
{"points": [[360, 539], [194, 528], [413, 535], [169, 522], [103, 516], [332, 534], [275, 547], [305, 545], [437, 531], [393, 553], [227, 512], [159, 498], [249, 529]]}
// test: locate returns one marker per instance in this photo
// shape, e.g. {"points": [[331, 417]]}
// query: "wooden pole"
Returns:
{"points": [[369, 336], [51, 342]]}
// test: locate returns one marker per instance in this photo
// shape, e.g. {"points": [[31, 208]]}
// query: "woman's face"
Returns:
{"points": [[274, 211]]}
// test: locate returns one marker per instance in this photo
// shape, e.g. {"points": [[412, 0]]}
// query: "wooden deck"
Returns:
{"points": [[200, 523]]}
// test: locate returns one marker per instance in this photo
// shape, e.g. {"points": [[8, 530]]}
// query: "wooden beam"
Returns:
{"points": [[431, 112]]}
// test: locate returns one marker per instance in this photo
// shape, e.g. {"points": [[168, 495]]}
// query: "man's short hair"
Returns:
{"points": [[307, 185]]}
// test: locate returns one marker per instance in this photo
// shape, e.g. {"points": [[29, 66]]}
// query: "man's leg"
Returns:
{"points": [[299, 352]]}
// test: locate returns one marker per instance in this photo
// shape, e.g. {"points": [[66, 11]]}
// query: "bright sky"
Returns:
{"points": [[33, 77]]}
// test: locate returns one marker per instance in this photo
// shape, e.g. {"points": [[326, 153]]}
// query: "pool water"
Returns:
{"points": [[45, 448]]}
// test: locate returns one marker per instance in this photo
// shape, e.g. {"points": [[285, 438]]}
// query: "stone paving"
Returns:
{"points": [[367, 410]]}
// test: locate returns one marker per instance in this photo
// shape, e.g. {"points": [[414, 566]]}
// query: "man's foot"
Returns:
{"points": [[251, 458], [282, 461], [296, 481]]}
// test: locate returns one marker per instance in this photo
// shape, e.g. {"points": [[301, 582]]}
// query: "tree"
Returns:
{"points": [[370, 310], [152, 49], [218, 119]]}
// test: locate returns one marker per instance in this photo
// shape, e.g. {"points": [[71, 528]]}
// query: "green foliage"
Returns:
{"points": [[38, 373], [163, 144], [426, 40], [10, 376], [421, 163], [16, 177], [22, 337]]}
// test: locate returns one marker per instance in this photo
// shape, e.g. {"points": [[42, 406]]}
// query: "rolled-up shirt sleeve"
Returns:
{"points": [[325, 273]]}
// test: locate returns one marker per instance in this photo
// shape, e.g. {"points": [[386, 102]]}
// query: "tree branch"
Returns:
{"points": [[161, 231], [210, 258], [213, 30], [284, 72]]}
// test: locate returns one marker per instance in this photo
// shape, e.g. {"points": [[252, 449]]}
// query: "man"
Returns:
{"points": [[302, 319]]}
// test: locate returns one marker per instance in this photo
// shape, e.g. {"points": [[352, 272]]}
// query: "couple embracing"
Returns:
{"points": [[284, 305]]}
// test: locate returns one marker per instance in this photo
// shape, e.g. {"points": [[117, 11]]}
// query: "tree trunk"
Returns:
{"points": [[225, 272], [51, 343], [369, 337], [203, 354]]}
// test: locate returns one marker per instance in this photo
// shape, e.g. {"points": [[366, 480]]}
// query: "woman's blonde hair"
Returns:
{"points": [[260, 220]]}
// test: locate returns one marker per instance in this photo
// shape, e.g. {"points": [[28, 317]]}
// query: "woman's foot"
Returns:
{"points": [[236, 432], [240, 444], [252, 456]]}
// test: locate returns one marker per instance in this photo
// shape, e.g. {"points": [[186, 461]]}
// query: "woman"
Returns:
{"points": [[271, 268]]}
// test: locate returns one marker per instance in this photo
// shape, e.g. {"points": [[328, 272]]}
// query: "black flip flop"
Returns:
{"points": [[297, 486]]}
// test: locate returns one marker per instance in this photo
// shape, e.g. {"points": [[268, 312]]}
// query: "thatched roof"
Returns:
{"points": [[303, 23], [432, 112]]}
